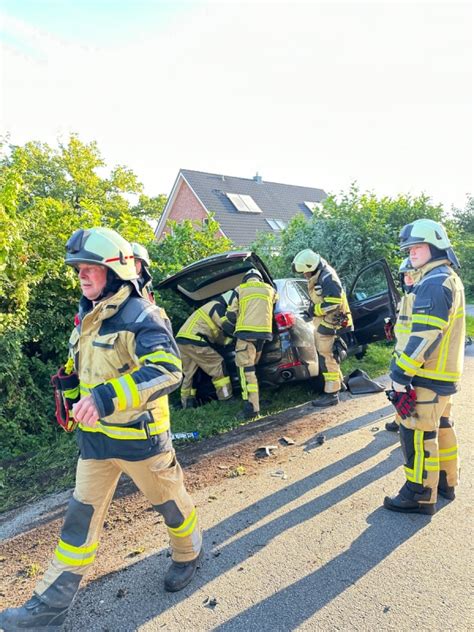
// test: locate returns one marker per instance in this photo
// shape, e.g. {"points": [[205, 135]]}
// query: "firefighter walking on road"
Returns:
{"points": [[332, 316], [197, 340], [249, 318], [426, 369], [123, 363]]}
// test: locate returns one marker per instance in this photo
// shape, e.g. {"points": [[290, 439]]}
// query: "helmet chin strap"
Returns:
{"points": [[112, 285]]}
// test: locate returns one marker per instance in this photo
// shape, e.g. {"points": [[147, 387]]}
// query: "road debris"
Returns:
{"points": [[287, 441], [210, 602], [237, 471], [320, 439], [265, 450], [279, 474]]}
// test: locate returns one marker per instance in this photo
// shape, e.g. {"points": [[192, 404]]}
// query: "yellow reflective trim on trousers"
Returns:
{"points": [[78, 549], [432, 464], [418, 444], [426, 319], [187, 527], [400, 330], [330, 377], [223, 381], [252, 388], [75, 555], [127, 434], [453, 457], [243, 383], [164, 356], [453, 449]]}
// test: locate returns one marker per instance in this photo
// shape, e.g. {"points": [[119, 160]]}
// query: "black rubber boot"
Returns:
{"points": [[404, 505], [444, 489], [391, 426], [179, 574], [328, 399], [33, 615]]}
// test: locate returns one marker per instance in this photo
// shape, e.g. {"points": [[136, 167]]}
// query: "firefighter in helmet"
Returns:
{"points": [[125, 362], [426, 369], [142, 265], [249, 318], [332, 317], [199, 340], [408, 276]]}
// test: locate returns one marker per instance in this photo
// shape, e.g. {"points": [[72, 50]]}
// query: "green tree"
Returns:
{"points": [[352, 229], [186, 243], [45, 194], [463, 242]]}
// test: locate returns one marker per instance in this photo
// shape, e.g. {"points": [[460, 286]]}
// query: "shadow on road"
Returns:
{"points": [[149, 600]]}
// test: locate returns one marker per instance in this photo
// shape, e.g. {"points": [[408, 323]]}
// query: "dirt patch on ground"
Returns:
{"points": [[130, 528]]}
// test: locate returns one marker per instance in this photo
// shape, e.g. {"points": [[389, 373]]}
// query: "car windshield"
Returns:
{"points": [[292, 295]]}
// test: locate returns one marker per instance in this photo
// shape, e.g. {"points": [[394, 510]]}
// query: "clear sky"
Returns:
{"points": [[309, 93]]}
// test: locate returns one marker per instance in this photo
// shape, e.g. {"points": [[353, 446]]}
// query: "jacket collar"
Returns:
{"points": [[106, 308], [431, 265]]}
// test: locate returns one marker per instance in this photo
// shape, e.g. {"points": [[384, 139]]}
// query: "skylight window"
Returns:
{"points": [[276, 224], [244, 203], [312, 206]]}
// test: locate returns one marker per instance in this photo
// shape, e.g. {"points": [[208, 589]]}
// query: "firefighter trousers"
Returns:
{"points": [[328, 365], [429, 446], [247, 355], [211, 362], [159, 477]]}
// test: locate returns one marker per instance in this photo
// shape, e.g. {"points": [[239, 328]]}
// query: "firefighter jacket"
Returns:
{"points": [[250, 312], [433, 354], [125, 357], [204, 326], [402, 329], [331, 309]]}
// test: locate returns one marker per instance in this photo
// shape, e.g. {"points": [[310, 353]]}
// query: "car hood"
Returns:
{"points": [[205, 279]]}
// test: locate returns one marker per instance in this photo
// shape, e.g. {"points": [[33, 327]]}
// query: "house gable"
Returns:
{"points": [[222, 195]]}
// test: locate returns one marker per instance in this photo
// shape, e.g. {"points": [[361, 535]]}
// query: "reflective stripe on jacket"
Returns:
{"points": [[204, 326], [126, 358], [250, 313], [433, 354], [331, 307]]}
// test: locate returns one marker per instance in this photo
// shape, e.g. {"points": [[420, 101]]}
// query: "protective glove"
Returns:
{"points": [[404, 401], [389, 330]]}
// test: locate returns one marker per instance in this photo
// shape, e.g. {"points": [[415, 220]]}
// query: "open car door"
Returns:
{"points": [[373, 297]]}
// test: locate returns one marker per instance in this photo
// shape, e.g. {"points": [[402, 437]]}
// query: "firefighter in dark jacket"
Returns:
{"points": [[197, 340], [332, 316], [125, 364], [426, 371], [249, 318], [142, 266]]}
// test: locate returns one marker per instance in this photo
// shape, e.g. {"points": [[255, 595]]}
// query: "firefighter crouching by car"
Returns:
{"points": [[249, 318], [142, 266], [126, 362], [408, 276], [196, 340], [425, 372], [332, 317]]}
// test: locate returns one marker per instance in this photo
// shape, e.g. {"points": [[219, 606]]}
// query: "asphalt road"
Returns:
{"points": [[314, 550]]}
